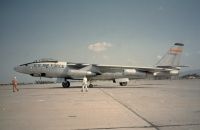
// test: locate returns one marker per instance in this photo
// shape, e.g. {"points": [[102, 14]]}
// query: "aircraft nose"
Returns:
{"points": [[17, 69]]}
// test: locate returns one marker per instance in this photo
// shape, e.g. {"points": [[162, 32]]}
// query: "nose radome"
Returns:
{"points": [[16, 68]]}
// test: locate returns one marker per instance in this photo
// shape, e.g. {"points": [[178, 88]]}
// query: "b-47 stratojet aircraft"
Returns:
{"points": [[168, 65]]}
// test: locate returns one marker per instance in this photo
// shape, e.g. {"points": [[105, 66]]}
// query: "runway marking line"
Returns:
{"points": [[151, 124], [130, 109]]}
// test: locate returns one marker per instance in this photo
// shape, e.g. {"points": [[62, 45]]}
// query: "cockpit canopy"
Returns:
{"points": [[41, 61], [45, 60]]}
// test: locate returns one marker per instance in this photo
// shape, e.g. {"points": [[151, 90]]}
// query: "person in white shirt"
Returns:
{"points": [[84, 84]]}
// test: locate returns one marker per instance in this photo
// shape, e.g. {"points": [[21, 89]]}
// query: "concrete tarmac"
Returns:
{"points": [[142, 105]]}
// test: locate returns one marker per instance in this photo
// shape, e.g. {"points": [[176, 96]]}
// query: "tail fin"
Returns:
{"points": [[172, 58]]}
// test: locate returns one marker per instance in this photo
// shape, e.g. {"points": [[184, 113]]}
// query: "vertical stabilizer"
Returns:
{"points": [[172, 58]]}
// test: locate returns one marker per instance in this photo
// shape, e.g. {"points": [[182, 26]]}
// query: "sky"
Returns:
{"points": [[122, 32]]}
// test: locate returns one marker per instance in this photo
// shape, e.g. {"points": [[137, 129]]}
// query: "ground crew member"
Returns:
{"points": [[14, 83], [84, 84]]}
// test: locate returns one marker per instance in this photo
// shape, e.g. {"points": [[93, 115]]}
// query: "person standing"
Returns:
{"points": [[14, 83], [84, 84]]}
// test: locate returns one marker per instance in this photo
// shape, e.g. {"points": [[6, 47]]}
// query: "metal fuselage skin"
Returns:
{"points": [[44, 69], [62, 70], [166, 67], [76, 71]]}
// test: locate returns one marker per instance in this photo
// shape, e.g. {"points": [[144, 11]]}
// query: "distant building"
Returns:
{"points": [[190, 76]]}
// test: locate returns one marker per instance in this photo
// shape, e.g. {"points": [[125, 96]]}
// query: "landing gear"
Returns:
{"points": [[66, 84], [91, 86], [122, 83]]}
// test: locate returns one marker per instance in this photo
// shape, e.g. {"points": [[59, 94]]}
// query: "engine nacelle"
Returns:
{"points": [[174, 72], [120, 80], [160, 74], [129, 71], [80, 73]]}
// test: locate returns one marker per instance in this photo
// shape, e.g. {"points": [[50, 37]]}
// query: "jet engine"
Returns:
{"points": [[129, 71], [172, 72], [160, 74], [80, 73]]}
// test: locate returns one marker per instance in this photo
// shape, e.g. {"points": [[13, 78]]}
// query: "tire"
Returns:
{"points": [[123, 83], [91, 86], [66, 84], [63, 84]]}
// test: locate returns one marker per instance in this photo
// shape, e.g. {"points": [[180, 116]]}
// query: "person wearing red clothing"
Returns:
{"points": [[14, 83]]}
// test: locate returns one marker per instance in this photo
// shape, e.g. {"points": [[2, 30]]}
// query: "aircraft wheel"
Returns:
{"points": [[123, 83], [63, 84], [66, 84], [91, 86]]}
